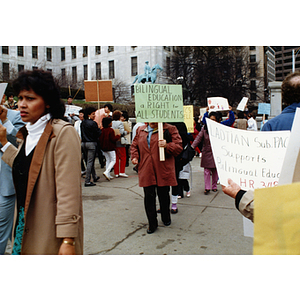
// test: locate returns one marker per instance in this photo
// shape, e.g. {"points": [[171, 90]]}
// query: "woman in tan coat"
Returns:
{"points": [[46, 172], [156, 176]]}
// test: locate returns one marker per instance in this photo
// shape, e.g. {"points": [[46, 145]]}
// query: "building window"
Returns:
{"points": [[252, 96], [97, 50], [85, 72], [74, 75], [252, 58], [34, 51], [63, 76], [134, 66], [20, 51], [98, 71], [20, 68], [85, 51], [253, 85], [62, 54], [252, 47], [49, 70], [49, 54], [73, 49], [111, 69], [5, 50], [34, 68], [252, 72], [5, 71], [111, 48]]}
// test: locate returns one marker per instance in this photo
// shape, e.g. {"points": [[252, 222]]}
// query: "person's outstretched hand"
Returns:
{"points": [[232, 189]]}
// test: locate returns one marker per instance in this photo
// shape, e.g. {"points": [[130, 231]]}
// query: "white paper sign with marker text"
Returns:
{"points": [[252, 159]]}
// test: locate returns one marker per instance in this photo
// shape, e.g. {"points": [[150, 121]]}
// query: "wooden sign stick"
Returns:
{"points": [[77, 92], [161, 137]]}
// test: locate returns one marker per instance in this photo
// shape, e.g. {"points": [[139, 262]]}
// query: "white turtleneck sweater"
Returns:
{"points": [[34, 132]]}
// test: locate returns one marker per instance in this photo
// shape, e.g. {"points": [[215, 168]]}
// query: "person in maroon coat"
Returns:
{"points": [[207, 159], [108, 141], [156, 176]]}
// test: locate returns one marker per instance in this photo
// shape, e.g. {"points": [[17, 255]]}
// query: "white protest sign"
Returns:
{"points": [[72, 109], [2, 89], [242, 104], [292, 152], [252, 159], [202, 112], [217, 104]]}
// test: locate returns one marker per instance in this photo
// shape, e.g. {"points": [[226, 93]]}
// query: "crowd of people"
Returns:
{"points": [[41, 160]]}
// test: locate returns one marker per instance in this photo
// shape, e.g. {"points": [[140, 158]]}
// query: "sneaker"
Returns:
{"points": [[110, 177], [116, 175], [106, 176], [123, 175], [188, 194]]}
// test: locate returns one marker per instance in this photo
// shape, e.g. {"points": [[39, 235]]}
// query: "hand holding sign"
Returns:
{"points": [[217, 104]]}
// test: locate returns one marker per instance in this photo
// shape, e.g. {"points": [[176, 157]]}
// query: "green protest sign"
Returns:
{"points": [[158, 103]]}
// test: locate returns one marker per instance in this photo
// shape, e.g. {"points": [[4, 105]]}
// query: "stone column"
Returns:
{"points": [[275, 98]]}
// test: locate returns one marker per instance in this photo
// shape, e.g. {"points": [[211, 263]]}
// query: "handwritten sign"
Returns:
{"points": [[188, 111], [2, 89], [264, 108], [252, 159], [242, 104], [217, 104], [277, 220], [158, 103], [72, 109]]}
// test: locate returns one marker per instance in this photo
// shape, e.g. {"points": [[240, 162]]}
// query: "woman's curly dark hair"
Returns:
{"points": [[44, 85], [290, 90]]}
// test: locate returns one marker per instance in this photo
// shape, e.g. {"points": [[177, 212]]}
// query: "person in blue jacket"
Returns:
{"points": [[12, 121], [290, 92], [228, 122]]}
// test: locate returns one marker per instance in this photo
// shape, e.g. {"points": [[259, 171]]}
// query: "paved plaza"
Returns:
{"points": [[115, 221]]}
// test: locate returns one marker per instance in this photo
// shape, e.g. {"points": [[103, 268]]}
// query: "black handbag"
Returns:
{"points": [[188, 153]]}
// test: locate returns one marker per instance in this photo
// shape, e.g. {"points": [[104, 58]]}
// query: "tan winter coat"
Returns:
{"points": [[53, 206]]}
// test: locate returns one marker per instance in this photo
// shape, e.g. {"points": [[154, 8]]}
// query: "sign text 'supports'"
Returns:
{"points": [[158, 103], [252, 159]]}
